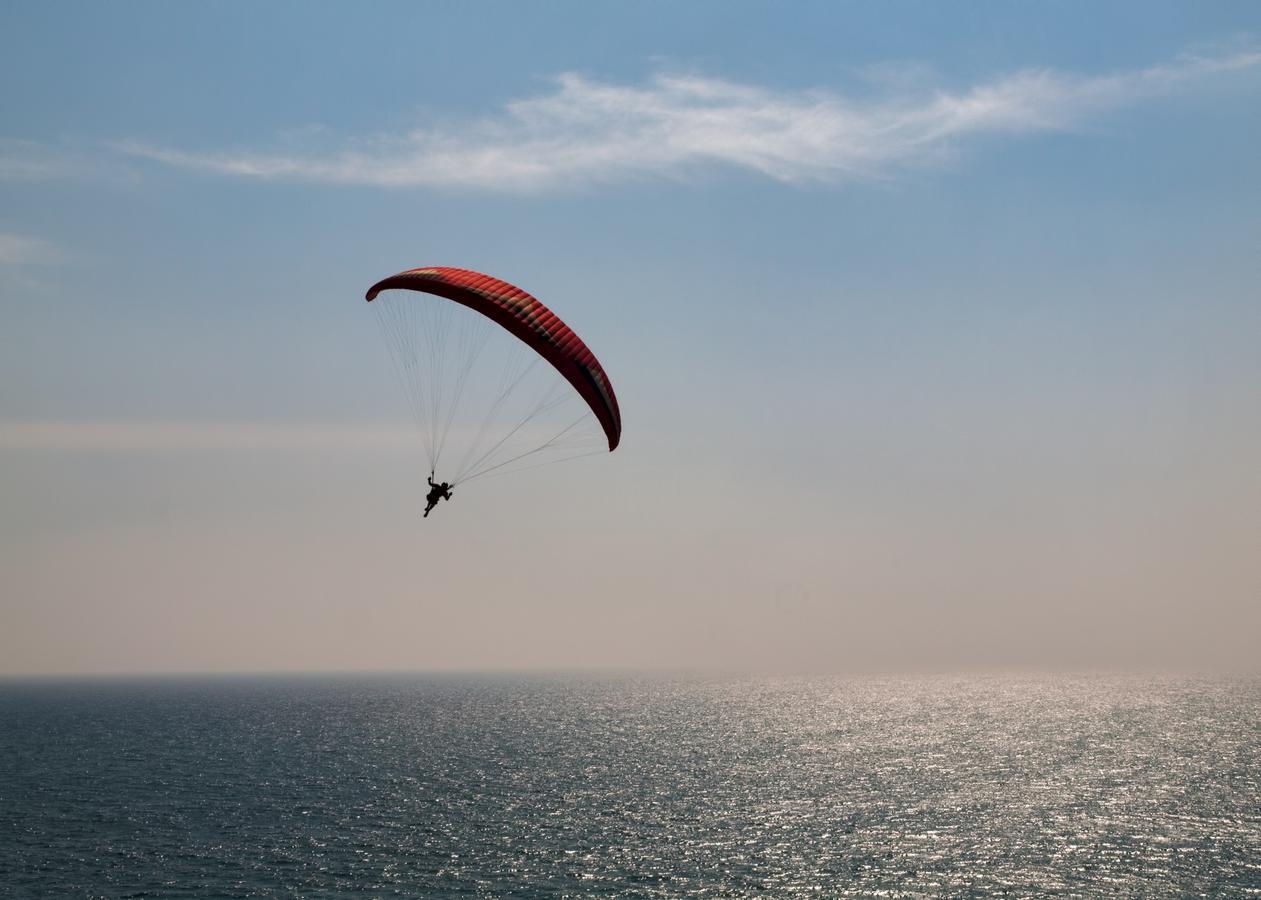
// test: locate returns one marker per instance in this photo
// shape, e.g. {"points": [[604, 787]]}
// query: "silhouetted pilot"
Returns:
{"points": [[436, 492]]}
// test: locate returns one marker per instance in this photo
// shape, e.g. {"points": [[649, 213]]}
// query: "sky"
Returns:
{"points": [[934, 328]]}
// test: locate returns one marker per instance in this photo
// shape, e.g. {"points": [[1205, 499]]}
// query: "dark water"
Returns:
{"points": [[364, 787]]}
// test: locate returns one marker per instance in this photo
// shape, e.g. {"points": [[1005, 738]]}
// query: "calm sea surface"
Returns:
{"points": [[541, 787]]}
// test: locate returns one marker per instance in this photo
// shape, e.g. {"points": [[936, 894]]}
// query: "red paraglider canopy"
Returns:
{"points": [[526, 318]]}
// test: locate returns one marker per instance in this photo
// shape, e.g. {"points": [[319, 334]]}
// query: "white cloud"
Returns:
{"points": [[18, 250], [29, 161], [587, 131], [186, 436]]}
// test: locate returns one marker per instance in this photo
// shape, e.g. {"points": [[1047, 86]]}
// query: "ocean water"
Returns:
{"points": [[626, 787]]}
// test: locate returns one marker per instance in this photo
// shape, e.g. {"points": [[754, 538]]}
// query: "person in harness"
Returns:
{"points": [[436, 492]]}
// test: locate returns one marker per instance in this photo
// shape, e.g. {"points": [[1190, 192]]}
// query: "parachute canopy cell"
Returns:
{"points": [[527, 319]]}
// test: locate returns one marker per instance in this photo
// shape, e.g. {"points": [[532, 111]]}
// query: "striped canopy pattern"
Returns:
{"points": [[526, 318]]}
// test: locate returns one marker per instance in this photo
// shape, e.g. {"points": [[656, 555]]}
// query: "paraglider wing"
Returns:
{"points": [[526, 318]]}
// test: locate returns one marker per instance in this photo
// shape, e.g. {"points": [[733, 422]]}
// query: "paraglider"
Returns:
{"points": [[496, 381], [436, 492]]}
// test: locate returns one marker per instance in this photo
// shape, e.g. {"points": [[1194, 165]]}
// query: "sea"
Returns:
{"points": [[626, 786]]}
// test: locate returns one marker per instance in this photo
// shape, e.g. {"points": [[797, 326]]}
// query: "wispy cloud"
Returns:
{"points": [[19, 250], [585, 131], [29, 161], [130, 437]]}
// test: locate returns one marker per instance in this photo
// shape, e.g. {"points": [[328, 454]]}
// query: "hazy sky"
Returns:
{"points": [[935, 329]]}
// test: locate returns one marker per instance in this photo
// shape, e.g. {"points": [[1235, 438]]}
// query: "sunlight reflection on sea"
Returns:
{"points": [[542, 787]]}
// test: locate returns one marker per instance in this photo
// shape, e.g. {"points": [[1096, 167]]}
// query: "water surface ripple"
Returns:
{"points": [[577, 787]]}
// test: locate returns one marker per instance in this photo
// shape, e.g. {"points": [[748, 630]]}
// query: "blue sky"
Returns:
{"points": [[934, 330]]}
